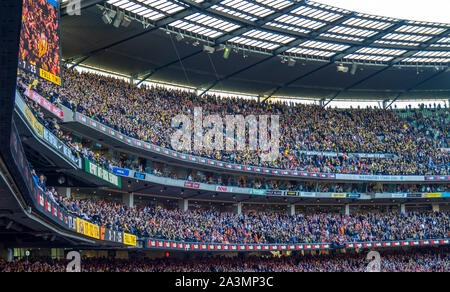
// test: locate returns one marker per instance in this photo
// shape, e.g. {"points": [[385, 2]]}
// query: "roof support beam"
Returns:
{"points": [[339, 56], [356, 84], [417, 85], [392, 63], [283, 49], [151, 72], [226, 37], [157, 25]]}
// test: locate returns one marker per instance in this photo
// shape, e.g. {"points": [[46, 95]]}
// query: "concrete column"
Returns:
{"points": [[347, 209], [10, 255], [183, 205], [128, 199], [435, 207], [291, 210], [403, 208], [68, 192], [65, 192], [133, 78], [239, 208]]}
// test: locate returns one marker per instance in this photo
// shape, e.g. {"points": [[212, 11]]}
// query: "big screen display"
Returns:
{"points": [[40, 49]]}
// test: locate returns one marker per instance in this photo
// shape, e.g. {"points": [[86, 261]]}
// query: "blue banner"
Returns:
{"points": [[139, 175], [121, 171], [53, 2]]}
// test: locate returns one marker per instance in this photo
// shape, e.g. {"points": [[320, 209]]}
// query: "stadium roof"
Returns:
{"points": [[276, 47]]}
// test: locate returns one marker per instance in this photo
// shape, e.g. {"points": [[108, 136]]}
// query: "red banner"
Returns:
{"points": [[44, 103]]}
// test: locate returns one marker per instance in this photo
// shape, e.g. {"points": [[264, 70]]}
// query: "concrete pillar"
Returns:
{"points": [[239, 208], [403, 208], [183, 205], [133, 78], [322, 102], [128, 199], [291, 209], [68, 192], [435, 207], [65, 192], [10, 255], [347, 209]]}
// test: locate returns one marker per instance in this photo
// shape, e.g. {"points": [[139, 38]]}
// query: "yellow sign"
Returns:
{"points": [[49, 76], [338, 195], [38, 128], [88, 229], [129, 239], [435, 195]]}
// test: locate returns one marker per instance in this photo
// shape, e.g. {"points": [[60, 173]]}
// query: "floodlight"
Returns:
{"points": [[126, 22], [226, 53], [291, 62], [118, 19], [106, 18], [208, 49], [179, 37], [342, 68]]}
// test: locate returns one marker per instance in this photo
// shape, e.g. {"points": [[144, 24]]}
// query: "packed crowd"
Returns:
{"points": [[435, 124], [53, 125], [163, 170], [423, 260], [253, 227], [146, 114]]}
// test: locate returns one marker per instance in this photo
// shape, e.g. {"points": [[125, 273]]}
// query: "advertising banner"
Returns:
{"points": [[37, 127], [274, 193], [129, 239], [224, 189], [61, 147], [258, 192], [191, 185], [346, 195], [338, 195], [139, 175], [102, 173], [88, 229], [121, 171], [44, 103]]}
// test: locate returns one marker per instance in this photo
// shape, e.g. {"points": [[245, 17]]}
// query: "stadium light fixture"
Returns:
{"points": [[354, 68], [226, 53], [108, 16], [10, 223], [291, 62], [126, 22], [118, 19], [208, 49], [342, 68], [179, 37]]}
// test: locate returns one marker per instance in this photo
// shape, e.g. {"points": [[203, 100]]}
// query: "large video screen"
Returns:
{"points": [[40, 49]]}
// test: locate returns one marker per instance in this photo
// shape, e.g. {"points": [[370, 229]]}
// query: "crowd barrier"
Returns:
{"points": [[159, 244]]}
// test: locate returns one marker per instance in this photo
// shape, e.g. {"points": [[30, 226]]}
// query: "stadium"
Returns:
{"points": [[222, 136]]}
